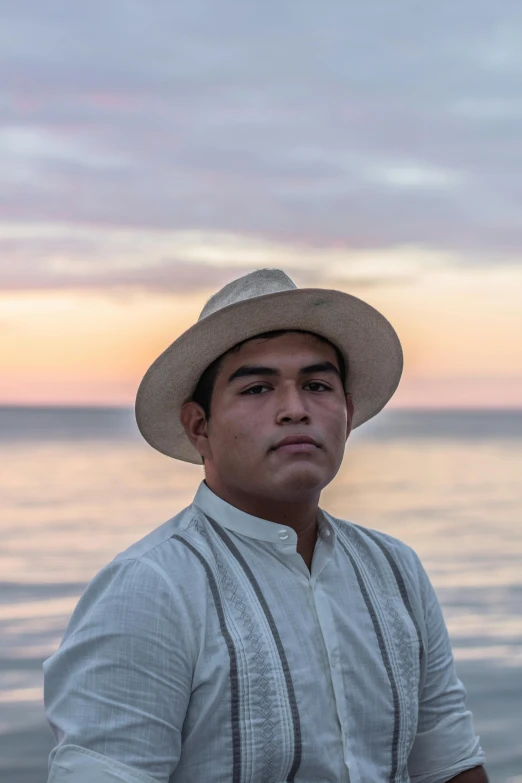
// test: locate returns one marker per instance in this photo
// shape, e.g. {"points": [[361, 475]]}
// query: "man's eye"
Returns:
{"points": [[318, 383], [253, 388]]}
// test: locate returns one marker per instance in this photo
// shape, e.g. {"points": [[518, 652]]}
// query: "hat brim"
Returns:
{"points": [[366, 339]]}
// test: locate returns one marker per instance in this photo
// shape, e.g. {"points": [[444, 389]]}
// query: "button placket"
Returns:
{"points": [[333, 662]]}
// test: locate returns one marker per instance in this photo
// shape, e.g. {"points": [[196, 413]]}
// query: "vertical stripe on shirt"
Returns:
{"points": [[385, 657], [400, 584], [234, 682], [279, 645]]}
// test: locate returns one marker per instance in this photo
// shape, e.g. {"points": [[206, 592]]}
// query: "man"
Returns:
{"points": [[254, 637]]}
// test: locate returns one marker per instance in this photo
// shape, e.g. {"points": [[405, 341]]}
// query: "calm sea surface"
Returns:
{"points": [[79, 485]]}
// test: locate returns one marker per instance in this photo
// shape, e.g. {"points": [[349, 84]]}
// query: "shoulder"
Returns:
{"points": [[151, 581], [167, 549], [155, 570], [159, 539]]}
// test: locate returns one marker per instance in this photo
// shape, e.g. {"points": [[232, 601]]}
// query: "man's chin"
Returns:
{"points": [[297, 480]]}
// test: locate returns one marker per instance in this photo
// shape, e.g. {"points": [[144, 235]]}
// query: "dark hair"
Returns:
{"points": [[203, 391]]}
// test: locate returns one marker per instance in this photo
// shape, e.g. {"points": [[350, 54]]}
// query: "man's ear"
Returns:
{"points": [[195, 424]]}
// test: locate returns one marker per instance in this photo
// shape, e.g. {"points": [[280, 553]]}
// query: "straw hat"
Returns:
{"points": [[263, 301]]}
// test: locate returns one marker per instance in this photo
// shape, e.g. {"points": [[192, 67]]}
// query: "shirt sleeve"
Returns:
{"points": [[117, 690], [445, 744]]}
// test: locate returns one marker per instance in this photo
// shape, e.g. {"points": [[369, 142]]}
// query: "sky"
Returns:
{"points": [[152, 152]]}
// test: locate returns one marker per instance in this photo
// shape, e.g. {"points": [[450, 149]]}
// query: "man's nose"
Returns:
{"points": [[292, 405]]}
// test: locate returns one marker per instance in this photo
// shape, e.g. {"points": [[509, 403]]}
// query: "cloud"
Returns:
{"points": [[58, 256], [371, 127], [166, 276]]}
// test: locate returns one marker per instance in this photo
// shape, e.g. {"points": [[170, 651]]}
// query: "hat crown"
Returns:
{"points": [[258, 283]]}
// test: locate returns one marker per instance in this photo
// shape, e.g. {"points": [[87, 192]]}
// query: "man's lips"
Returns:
{"points": [[296, 443]]}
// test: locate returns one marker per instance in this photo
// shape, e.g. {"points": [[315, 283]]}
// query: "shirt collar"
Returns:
{"points": [[238, 521]]}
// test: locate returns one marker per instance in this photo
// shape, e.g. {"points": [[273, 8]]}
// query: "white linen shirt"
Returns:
{"points": [[208, 651]]}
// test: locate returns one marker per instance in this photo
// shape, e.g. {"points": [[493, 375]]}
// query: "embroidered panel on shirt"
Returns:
{"points": [[400, 584], [296, 762], [396, 637], [237, 776], [259, 665], [385, 657], [410, 671]]}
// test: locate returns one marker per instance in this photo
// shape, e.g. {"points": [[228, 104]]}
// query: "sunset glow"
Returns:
{"points": [[461, 329]]}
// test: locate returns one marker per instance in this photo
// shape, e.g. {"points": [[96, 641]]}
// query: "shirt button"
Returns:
{"points": [[283, 534], [334, 658]]}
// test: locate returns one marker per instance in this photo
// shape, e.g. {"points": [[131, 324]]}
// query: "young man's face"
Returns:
{"points": [[251, 414]]}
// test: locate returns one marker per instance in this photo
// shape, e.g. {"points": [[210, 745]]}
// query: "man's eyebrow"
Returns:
{"points": [[247, 370], [319, 367]]}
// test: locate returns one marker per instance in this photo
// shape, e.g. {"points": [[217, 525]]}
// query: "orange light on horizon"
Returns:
{"points": [[462, 340]]}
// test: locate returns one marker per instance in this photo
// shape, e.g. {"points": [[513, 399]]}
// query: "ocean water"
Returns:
{"points": [[78, 486]]}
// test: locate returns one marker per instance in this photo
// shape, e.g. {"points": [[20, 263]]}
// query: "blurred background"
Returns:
{"points": [[149, 154]]}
